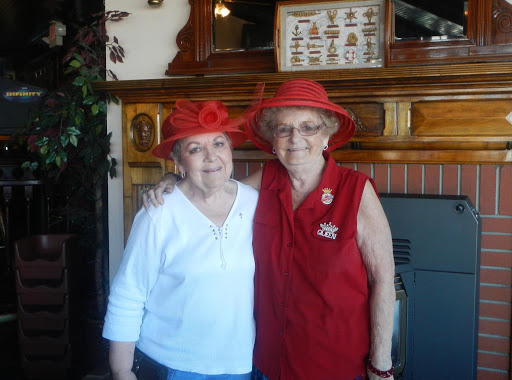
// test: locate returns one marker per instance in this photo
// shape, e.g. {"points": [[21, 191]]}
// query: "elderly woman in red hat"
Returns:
{"points": [[181, 304], [324, 291]]}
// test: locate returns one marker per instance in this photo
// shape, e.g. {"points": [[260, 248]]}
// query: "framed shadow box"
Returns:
{"points": [[329, 35]]}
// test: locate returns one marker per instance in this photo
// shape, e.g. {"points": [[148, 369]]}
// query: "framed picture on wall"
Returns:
{"points": [[329, 35]]}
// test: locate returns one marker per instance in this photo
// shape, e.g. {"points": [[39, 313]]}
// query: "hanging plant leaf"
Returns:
{"points": [[63, 155], [74, 63], [73, 131], [42, 141], [79, 81], [73, 140], [79, 58], [64, 140], [102, 107], [44, 150], [89, 100]]}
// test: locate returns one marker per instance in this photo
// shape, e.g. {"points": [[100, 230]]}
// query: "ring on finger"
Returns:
{"points": [[144, 191]]}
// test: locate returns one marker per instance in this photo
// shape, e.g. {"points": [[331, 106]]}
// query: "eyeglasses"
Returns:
{"points": [[306, 129]]}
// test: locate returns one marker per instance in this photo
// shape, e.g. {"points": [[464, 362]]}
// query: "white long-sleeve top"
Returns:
{"points": [[184, 290]]}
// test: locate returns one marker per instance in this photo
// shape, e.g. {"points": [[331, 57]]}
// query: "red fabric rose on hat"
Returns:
{"points": [[210, 117]]}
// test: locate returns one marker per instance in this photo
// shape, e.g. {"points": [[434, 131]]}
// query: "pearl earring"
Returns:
{"points": [[273, 151]]}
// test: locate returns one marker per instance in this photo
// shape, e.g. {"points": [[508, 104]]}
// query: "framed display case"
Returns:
{"points": [[329, 35]]}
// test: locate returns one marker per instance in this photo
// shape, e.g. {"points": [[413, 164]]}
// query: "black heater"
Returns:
{"points": [[436, 243]]}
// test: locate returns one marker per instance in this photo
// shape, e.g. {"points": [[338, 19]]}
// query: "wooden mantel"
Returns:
{"points": [[429, 114], [411, 83]]}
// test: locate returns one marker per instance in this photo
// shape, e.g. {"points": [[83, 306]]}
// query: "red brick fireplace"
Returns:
{"points": [[488, 187]]}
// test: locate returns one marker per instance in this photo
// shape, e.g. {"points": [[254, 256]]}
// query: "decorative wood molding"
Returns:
{"points": [[196, 55], [502, 16], [360, 126], [411, 83], [142, 132], [415, 113], [501, 22], [397, 156], [145, 164], [185, 40]]}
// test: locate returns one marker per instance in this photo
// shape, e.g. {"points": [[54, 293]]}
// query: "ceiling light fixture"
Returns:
{"points": [[221, 9], [155, 2]]}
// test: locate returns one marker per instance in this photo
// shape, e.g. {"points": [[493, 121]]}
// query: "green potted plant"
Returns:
{"points": [[67, 144]]}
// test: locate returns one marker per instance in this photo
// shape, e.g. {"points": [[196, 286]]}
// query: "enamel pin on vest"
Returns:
{"points": [[327, 197], [327, 230]]}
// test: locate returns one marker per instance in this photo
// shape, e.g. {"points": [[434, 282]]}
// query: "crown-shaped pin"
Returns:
{"points": [[327, 190], [328, 227]]}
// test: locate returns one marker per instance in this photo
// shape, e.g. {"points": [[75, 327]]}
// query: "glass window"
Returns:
{"points": [[430, 19]]}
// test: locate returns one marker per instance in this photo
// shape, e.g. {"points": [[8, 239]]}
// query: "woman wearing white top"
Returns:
{"points": [[182, 300]]}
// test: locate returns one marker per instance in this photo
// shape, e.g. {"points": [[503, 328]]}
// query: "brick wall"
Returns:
{"points": [[489, 188]]}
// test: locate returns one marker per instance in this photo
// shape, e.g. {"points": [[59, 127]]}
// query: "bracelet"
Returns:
{"points": [[177, 177], [378, 372]]}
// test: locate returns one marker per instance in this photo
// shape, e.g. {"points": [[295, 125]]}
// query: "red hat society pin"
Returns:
{"points": [[327, 197]]}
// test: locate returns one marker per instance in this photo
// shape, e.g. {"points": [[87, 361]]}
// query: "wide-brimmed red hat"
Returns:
{"points": [[296, 93], [197, 118]]}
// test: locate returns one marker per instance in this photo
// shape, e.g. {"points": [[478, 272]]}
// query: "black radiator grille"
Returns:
{"points": [[402, 251]]}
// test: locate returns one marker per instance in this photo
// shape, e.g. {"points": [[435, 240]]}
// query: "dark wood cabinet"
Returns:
{"points": [[488, 39]]}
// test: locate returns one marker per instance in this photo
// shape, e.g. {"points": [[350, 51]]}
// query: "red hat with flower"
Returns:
{"points": [[197, 118], [298, 93]]}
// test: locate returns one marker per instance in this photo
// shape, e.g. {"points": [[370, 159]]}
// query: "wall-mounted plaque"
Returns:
{"points": [[329, 35], [142, 132]]}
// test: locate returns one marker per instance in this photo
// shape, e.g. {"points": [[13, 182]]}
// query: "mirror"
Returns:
{"points": [[197, 54], [243, 24], [430, 20]]}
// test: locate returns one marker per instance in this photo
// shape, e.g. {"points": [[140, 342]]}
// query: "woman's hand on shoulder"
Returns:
{"points": [[154, 194]]}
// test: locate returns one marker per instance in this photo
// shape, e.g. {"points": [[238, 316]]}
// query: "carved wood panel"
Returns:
{"points": [[140, 168], [501, 22], [368, 117], [461, 118]]}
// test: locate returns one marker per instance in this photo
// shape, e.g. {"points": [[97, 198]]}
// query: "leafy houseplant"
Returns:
{"points": [[69, 127], [68, 145]]}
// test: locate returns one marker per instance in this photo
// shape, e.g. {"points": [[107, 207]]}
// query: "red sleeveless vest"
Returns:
{"points": [[311, 292]]}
